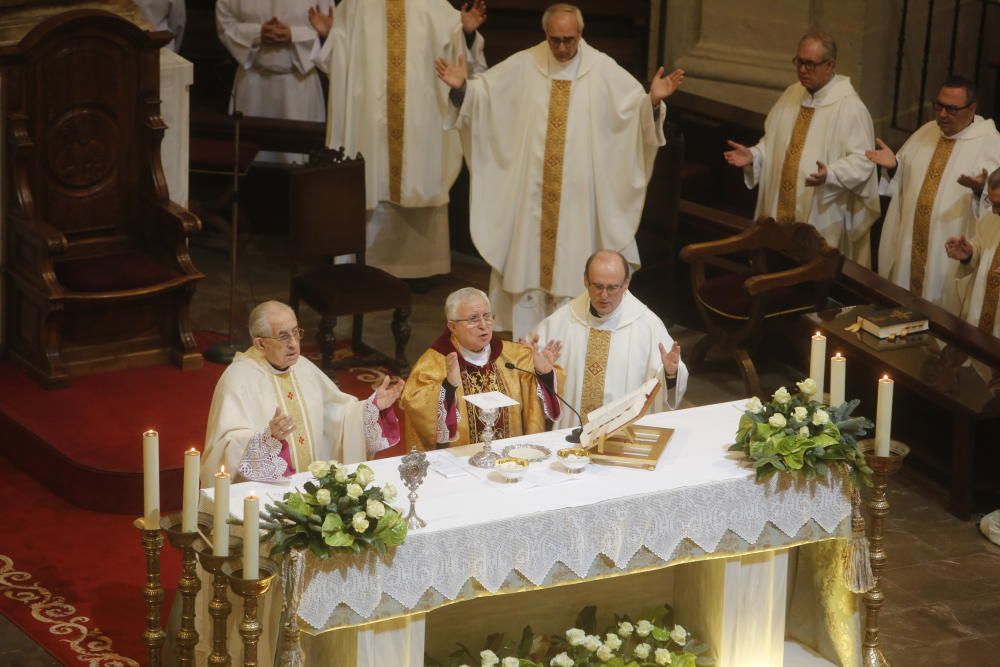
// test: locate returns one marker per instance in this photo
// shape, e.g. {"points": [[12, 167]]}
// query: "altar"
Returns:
{"points": [[751, 569]]}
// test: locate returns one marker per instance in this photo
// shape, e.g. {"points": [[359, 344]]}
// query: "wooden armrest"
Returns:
{"points": [[742, 241], [814, 269], [179, 219], [40, 234]]}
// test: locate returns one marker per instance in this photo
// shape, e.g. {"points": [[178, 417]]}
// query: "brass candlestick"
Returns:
{"points": [[152, 593], [883, 467], [220, 607], [188, 585], [250, 590]]}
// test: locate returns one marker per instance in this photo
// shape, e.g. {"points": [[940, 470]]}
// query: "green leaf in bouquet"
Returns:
{"points": [[391, 528], [295, 507], [527, 640], [795, 460], [683, 660], [586, 620], [339, 538], [332, 523], [737, 447], [660, 634]]}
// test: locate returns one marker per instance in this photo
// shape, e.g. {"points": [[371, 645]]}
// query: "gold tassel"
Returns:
{"points": [[291, 654], [858, 575]]}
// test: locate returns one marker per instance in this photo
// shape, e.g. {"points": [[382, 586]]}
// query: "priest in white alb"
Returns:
{"points": [[612, 343], [274, 412], [560, 142], [936, 190], [810, 165], [386, 104]]}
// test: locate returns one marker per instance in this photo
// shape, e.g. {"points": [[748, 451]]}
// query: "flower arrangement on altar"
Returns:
{"points": [[652, 641], [336, 512], [798, 435]]}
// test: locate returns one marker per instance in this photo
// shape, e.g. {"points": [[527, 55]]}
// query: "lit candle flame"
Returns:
{"points": [[885, 378]]}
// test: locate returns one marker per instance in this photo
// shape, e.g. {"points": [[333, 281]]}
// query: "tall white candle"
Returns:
{"points": [[838, 379], [220, 529], [151, 479], [817, 363], [189, 510], [251, 537], [883, 417]]}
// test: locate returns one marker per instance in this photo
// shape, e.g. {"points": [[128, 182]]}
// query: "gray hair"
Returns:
{"points": [[825, 40], [562, 8], [460, 296], [260, 318], [993, 182]]}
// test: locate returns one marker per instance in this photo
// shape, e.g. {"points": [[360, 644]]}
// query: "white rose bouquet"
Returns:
{"points": [[336, 511], [798, 435]]}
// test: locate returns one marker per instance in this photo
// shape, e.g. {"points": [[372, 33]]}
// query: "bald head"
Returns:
{"points": [[606, 276]]}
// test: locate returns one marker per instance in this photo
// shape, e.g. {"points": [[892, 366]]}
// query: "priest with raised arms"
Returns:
{"points": [[274, 412], [560, 142], [467, 359], [810, 164], [939, 176], [386, 104], [612, 343]]}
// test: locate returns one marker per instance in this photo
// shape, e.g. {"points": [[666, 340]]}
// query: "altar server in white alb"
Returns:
{"points": [[274, 46], [274, 412], [170, 15], [560, 142], [612, 343], [810, 164], [940, 174], [386, 104]]}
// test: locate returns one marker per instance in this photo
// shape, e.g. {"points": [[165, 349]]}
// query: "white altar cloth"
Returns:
{"points": [[481, 531]]}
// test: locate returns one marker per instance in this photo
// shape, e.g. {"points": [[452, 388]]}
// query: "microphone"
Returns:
{"points": [[573, 437]]}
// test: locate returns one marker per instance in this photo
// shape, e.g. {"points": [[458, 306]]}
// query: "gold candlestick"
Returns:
{"points": [[220, 607], [152, 593], [250, 590], [883, 467], [188, 585]]}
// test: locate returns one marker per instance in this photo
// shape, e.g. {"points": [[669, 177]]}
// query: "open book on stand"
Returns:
{"points": [[612, 437]]}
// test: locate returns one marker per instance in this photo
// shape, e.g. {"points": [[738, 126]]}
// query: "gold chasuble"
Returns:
{"points": [[987, 318], [790, 167], [395, 91], [286, 389], [922, 214], [552, 177], [595, 367]]}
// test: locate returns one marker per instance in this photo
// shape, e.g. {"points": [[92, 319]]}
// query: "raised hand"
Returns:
{"points": [[321, 23], [671, 359], [543, 358], [974, 183], [958, 247], [738, 155], [388, 392], [473, 16], [452, 74], [819, 177], [452, 371], [663, 86], [882, 156], [281, 425]]}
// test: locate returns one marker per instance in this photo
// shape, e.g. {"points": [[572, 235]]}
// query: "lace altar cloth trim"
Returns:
{"points": [[531, 545]]}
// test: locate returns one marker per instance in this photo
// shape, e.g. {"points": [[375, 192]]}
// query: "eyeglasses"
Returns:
{"points": [[610, 289], [949, 109], [563, 41], [808, 64], [285, 337], [476, 320]]}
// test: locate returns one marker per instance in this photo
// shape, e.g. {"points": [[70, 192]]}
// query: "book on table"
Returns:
{"points": [[891, 322]]}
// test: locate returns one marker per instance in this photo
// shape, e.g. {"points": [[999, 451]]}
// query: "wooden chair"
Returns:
{"points": [[328, 219], [98, 273], [736, 303]]}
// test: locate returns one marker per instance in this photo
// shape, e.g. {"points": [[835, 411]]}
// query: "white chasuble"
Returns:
{"points": [[979, 279], [537, 212], [833, 127], [607, 357], [929, 206]]}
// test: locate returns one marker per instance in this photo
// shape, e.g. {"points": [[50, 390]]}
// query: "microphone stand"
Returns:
{"points": [[574, 436]]}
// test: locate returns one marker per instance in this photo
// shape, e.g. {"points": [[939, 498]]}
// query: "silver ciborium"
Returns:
{"points": [[487, 458], [413, 470]]}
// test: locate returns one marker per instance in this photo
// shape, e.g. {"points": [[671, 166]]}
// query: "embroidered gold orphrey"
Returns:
{"points": [[790, 167], [595, 367], [922, 215], [301, 438], [555, 143], [395, 91], [989, 315], [478, 382]]}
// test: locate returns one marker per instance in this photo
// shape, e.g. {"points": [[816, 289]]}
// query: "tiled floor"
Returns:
{"points": [[942, 584]]}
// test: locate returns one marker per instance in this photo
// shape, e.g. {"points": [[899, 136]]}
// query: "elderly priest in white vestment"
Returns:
{"points": [[560, 142], [940, 174], [810, 164], [612, 343], [275, 412], [386, 104]]}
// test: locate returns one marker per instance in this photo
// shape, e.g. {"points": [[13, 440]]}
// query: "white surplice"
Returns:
{"points": [[611, 142], [844, 208], [274, 81], [170, 15], [408, 237], [977, 147], [973, 276], [633, 357]]}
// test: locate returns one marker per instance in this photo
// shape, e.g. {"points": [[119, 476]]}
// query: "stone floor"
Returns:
{"points": [[942, 584]]}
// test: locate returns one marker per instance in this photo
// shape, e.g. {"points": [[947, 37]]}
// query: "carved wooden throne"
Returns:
{"points": [[98, 271]]}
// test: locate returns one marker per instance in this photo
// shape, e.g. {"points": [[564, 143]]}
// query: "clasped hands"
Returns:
{"points": [[273, 31]]}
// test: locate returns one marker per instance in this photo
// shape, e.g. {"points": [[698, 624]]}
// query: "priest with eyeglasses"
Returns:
{"points": [[275, 412], [467, 359]]}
